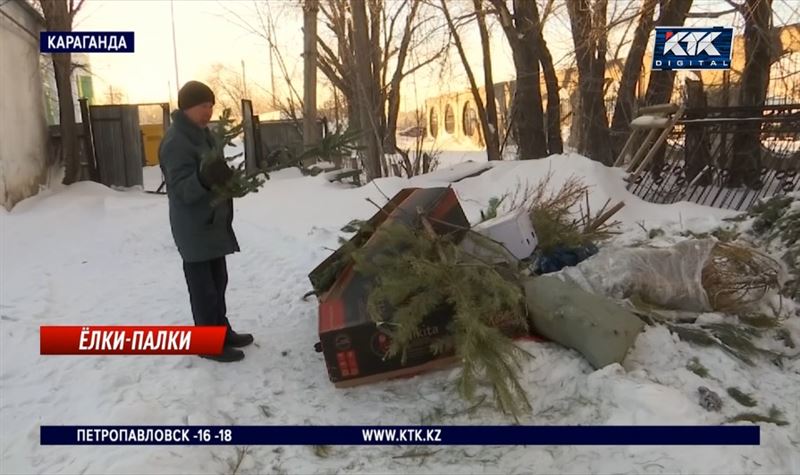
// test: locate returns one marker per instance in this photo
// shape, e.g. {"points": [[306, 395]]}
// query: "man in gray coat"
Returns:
{"points": [[203, 233]]}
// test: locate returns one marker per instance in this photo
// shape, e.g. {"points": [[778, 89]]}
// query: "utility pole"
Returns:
{"points": [[244, 81], [310, 8], [169, 91], [271, 60], [174, 44]]}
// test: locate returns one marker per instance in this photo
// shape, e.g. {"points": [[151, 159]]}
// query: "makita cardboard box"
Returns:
{"points": [[351, 342]]}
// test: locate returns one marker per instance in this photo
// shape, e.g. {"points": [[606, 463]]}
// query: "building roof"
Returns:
{"points": [[29, 9]]}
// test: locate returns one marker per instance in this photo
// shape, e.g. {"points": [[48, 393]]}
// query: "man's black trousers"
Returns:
{"points": [[207, 281]]}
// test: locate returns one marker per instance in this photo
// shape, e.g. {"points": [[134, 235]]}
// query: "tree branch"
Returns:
{"points": [[331, 59], [712, 14], [428, 61], [331, 74], [507, 22], [737, 6]]}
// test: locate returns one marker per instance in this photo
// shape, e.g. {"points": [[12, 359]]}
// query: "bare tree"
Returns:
{"points": [[589, 35], [623, 110], [673, 13], [555, 143], [365, 90], [230, 88], [391, 53], [659, 89], [393, 99], [492, 136], [746, 164], [310, 131], [528, 115], [487, 111], [59, 16], [260, 21]]}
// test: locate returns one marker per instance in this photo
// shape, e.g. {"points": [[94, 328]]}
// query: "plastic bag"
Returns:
{"points": [[667, 277]]}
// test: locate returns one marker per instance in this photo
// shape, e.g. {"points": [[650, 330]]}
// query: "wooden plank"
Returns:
{"points": [[643, 147], [634, 136], [661, 139], [107, 124], [132, 152], [118, 144], [650, 122], [88, 140], [658, 108], [250, 161]]}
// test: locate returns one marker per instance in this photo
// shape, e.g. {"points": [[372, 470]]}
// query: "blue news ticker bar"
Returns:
{"points": [[411, 435]]}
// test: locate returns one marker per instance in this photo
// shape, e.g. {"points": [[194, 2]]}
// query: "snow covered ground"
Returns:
{"points": [[85, 254]]}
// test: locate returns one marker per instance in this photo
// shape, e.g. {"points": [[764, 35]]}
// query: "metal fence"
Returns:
{"points": [[701, 155]]}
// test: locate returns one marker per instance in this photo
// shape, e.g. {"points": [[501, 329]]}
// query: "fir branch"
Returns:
{"points": [[775, 416], [741, 397], [697, 368], [418, 273]]}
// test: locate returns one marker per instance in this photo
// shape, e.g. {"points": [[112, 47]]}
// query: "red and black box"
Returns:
{"points": [[353, 345]]}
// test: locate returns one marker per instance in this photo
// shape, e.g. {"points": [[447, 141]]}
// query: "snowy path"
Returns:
{"points": [[89, 255]]}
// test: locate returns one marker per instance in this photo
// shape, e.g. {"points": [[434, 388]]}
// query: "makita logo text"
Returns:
{"points": [[692, 48]]}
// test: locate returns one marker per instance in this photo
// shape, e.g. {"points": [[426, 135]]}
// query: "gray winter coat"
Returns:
{"points": [[201, 232]]}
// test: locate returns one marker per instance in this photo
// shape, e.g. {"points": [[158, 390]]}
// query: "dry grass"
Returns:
{"points": [[735, 276]]}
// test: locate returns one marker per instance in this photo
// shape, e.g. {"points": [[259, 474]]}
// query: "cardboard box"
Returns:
{"points": [[513, 231], [352, 344]]}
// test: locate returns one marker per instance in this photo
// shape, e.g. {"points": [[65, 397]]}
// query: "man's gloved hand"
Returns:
{"points": [[215, 172]]}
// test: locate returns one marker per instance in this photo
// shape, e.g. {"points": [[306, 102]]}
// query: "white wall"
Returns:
{"points": [[23, 134]]}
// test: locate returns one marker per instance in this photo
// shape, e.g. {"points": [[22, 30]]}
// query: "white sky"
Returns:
{"points": [[206, 34]]}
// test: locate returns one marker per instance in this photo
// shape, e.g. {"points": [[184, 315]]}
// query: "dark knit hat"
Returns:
{"points": [[194, 93]]}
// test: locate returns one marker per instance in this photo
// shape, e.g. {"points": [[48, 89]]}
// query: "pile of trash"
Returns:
{"points": [[698, 275], [419, 288]]}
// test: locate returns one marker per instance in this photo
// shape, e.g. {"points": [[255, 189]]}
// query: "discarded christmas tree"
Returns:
{"points": [[335, 144], [241, 183], [418, 274]]}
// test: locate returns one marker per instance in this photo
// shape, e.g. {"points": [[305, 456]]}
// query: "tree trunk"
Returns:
{"points": [[631, 74], [58, 18], [576, 130], [527, 103], [528, 113], [659, 88], [554, 142], [746, 166], [589, 37], [492, 133], [378, 98], [697, 148], [365, 89], [390, 138], [310, 132], [493, 154]]}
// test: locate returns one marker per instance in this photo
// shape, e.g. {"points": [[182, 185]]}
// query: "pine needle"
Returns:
{"points": [[759, 321], [697, 368], [775, 416], [420, 273], [322, 451], [562, 220], [741, 397]]}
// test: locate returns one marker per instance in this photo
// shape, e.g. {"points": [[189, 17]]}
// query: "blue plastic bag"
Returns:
{"points": [[561, 257]]}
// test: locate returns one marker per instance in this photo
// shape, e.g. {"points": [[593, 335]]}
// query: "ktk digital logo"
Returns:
{"points": [[692, 48]]}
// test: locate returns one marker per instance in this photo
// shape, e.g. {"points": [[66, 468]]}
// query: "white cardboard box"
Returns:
{"points": [[513, 230]]}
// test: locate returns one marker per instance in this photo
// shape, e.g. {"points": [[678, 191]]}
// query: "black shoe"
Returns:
{"points": [[238, 340], [228, 355]]}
